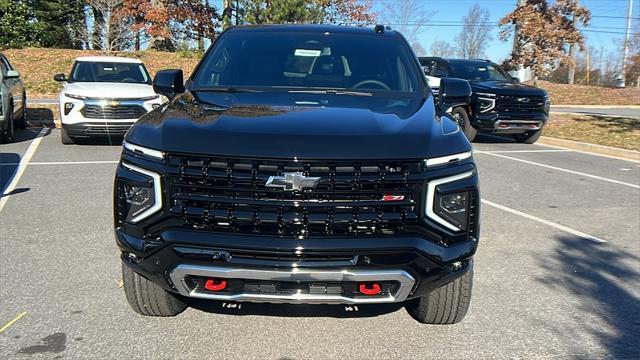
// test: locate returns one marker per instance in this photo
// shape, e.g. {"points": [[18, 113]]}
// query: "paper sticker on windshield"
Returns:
{"points": [[307, 52]]}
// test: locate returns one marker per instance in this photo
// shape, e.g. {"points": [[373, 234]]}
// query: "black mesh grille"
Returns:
{"points": [[230, 195], [506, 103], [113, 112]]}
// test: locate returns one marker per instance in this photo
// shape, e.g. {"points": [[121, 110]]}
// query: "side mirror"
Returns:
{"points": [[60, 77], [453, 92], [168, 83], [12, 74]]}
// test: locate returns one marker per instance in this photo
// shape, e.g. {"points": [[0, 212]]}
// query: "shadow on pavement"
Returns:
{"points": [[595, 273], [294, 310], [492, 139], [41, 115], [8, 167], [26, 135], [101, 141]]}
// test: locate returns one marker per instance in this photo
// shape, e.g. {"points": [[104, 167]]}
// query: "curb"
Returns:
{"points": [[593, 115], [591, 148], [598, 106]]}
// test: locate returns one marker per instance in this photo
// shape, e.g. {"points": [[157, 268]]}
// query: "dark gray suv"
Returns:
{"points": [[13, 101]]}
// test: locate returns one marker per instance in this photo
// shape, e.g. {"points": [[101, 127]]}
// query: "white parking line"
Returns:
{"points": [[521, 151], [22, 165], [65, 162], [545, 222], [565, 170]]}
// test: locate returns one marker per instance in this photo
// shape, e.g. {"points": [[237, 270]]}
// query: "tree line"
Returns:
{"points": [[543, 32], [118, 25]]}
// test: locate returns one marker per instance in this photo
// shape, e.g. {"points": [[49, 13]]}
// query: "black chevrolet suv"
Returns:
{"points": [[300, 164], [500, 104]]}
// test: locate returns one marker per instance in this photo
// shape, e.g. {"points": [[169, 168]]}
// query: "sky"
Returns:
{"points": [[606, 29]]}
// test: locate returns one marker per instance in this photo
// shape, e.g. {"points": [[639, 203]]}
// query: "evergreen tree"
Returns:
{"points": [[56, 21], [17, 28]]}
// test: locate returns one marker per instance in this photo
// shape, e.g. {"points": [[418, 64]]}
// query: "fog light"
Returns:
{"points": [[67, 108], [155, 105]]}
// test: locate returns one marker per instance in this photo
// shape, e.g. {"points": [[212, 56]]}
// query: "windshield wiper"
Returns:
{"points": [[333, 92], [226, 89]]}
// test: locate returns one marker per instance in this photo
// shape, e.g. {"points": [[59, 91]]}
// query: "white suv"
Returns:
{"points": [[104, 96]]}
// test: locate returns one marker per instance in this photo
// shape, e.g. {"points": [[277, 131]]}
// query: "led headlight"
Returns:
{"points": [[450, 210], [143, 150], [142, 199], [77, 97], [486, 101], [454, 208]]}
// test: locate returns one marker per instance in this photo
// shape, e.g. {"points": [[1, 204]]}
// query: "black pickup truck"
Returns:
{"points": [[300, 164], [500, 104]]}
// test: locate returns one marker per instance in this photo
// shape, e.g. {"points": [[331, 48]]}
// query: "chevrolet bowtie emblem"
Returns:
{"points": [[292, 181]]}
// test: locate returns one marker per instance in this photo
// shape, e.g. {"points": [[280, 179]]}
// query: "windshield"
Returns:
{"points": [[478, 71], [294, 60], [84, 71]]}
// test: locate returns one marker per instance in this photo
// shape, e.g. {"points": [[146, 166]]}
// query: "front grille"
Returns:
{"points": [[229, 195], [108, 129], [519, 104], [113, 112]]}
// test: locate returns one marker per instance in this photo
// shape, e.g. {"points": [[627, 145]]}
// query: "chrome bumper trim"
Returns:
{"points": [[519, 124], [405, 280]]}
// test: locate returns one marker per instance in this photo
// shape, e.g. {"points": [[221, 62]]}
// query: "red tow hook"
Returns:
{"points": [[214, 284], [373, 290]]}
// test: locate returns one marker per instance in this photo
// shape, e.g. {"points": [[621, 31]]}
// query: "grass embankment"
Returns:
{"points": [[37, 65], [564, 94], [610, 131]]}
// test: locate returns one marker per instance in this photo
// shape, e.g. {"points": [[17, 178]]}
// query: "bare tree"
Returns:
{"points": [[442, 49], [111, 28], [418, 49], [409, 17], [475, 34]]}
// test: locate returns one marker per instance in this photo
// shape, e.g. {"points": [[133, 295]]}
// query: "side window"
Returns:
{"points": [[7, 63], [440, 70], [3, 66], [217, 67]]}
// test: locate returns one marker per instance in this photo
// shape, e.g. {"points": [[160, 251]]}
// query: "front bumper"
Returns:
{"points": [[97, 129], [514, 123], [413, 265]]}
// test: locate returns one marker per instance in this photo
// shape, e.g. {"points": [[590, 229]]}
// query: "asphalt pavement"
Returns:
{"points": [[557, 274]]}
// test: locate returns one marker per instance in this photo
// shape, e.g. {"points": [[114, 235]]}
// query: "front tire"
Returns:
{"points": [[147, 298], [529, 137], [8, 133], [21, 122], [461, 116], [445, 305]]}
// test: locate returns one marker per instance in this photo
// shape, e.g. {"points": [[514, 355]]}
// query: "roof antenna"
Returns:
{"points": [[379, 29]]}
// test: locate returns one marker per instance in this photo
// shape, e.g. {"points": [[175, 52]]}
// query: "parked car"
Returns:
{"points": [[104, 96], [13, 101], [500, 104], [300, 164]]}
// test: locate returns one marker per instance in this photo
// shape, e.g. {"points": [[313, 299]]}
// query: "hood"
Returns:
{"points": [[506, 88], [304, 126], [109, 90]]}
